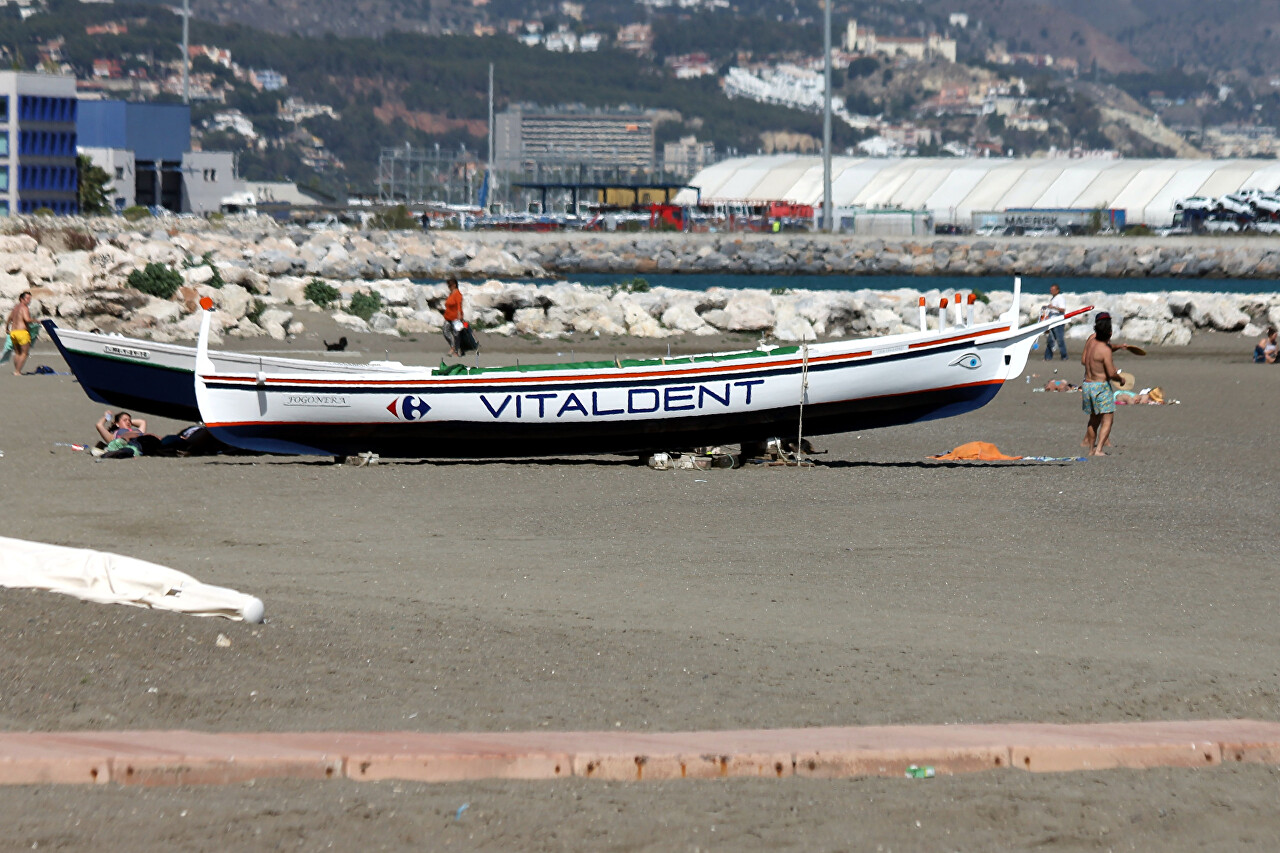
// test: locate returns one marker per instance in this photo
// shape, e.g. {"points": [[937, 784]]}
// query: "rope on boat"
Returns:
{"points": [[804, 393]]}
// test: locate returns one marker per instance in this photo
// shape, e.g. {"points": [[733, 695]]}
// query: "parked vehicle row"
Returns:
{"points": [[1245, 210]]}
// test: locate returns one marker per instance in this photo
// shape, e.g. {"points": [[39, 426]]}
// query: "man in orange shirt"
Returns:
{"points": [[453, 316]]}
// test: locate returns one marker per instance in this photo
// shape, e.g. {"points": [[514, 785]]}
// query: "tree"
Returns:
{"points": [[93, 187], [396, 218]]}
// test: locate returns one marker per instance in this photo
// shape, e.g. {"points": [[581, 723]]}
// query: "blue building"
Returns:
{"points": [[38, 114], [158, 137]]}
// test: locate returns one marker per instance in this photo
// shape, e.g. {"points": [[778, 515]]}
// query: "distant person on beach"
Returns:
{"points": [[16, 328], [1056, 307], [453, 317], [1099, 401], [1267, 349]]}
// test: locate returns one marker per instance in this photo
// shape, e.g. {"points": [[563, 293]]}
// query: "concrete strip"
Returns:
{"points": [[193, 758], [424, 757], [36, 759], [181, 757]]}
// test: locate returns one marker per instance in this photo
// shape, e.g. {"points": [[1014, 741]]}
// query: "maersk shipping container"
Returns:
{"points": [[1064, 219]]}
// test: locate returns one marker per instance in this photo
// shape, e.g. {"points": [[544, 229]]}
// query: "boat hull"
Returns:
{"points": [[159, 379], [473, 440], [724, 399]]}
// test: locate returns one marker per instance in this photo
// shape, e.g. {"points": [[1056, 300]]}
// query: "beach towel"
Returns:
{"points": [[976, 451], [114, 579]]}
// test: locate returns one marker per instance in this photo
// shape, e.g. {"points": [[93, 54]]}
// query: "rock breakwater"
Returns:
{"points": [[257, 273]]}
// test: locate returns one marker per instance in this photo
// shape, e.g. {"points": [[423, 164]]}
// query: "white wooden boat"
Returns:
{"points": [[623, 406]]}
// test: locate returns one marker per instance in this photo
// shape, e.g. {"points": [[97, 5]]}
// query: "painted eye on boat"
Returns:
{"points": [[970, 360]]}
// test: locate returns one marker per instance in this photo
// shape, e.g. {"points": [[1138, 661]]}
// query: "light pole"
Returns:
{"points": [[826, 117], [186, 51]]}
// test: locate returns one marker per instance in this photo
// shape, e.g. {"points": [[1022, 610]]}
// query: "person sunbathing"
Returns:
{"points": [[1147, 396], [1267, 350], [123, 436]]}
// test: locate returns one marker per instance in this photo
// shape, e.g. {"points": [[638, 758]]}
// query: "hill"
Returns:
{"points": [[1119, 35], [389, 90]]}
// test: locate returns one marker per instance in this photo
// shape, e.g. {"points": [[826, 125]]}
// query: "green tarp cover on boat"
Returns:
{"points": [[463, 370]]}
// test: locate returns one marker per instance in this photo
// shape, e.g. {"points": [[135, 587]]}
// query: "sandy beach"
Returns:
{"points": [[593, 593]]}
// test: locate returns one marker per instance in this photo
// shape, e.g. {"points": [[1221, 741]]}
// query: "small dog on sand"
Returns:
{"points": [[337, 347]]}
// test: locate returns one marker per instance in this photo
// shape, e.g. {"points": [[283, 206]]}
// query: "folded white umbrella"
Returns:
{"points": [[114, 579]]}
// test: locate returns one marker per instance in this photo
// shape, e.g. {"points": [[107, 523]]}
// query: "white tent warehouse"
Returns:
{"points": [[951, 190]]}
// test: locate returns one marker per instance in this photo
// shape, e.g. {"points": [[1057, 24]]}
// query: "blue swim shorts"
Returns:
{"points": [[1099, 399]]}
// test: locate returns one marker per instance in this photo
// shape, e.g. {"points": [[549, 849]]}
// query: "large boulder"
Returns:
{"points": [[395, 293], [246, 328], [1148, 306], [120, 304], [18, 243], [682, 317], [534, 321], [202, 274], [276, 262], [1217, 312], [12, 285], [275, 322], [107, 258], [251, 280], [68, 307], [420, 322], [790, 326], [748, 311], [158, 311], [288, 289], [383, 324], [350, 321], [604, 320], [489, 260], [233, 299], [73, 270]]}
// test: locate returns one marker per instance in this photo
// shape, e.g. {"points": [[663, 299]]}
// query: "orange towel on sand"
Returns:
{"points": [[981, 451]]}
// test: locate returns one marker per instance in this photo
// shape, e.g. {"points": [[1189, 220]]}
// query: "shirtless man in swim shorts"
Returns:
{"points": [[1099, 401], [16, 328]]}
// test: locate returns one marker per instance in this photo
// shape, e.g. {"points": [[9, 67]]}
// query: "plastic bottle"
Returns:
{"points": [[917, 772]]}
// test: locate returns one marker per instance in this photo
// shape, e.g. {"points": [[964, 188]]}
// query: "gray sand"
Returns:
{"points": [[593, 593]]}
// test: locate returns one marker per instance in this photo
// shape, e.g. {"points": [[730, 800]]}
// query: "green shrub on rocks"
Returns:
{"points": [[156, 280], [398, 218], [631, 285], [323, 295], [365, 305], [133, 214], [206, 260], [254, 314]]}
